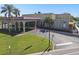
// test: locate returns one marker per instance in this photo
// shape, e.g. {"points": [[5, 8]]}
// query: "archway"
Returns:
{"points": [[21, 26], [16, 26]]}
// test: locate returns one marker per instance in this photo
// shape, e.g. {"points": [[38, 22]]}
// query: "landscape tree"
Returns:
{"points": [[8, 11], [74, 18], [49, 22], [16, 12], [39, 12]]}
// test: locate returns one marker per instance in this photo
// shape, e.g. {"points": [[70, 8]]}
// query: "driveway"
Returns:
{"points": [[61, 41]]}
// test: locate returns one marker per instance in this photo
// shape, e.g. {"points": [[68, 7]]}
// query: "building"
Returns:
{"points": [[30, 21]]}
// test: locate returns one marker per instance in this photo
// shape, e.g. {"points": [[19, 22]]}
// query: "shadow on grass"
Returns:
{"points": [[4, 31], [47, 49], [28, 47], [11, 33]]}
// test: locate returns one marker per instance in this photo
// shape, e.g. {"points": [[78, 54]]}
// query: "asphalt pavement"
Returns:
{"points": [[61, 41]]}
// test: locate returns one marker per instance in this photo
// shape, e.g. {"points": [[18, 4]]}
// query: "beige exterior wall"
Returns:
{"points": [[61, 21], [41, 16]]}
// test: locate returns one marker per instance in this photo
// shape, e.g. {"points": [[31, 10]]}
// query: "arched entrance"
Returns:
{"points": [[16, 26], [21, 26], [27, 26]]}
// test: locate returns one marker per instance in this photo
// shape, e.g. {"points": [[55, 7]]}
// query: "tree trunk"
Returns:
{"points": [[9, 15], [35, 25]]}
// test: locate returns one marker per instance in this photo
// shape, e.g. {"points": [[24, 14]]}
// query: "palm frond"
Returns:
{"points": [[3, 11], [16, 11], [3, 8], [9, 9]]}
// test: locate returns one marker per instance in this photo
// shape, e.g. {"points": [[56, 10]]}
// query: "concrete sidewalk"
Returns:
{"points": [[66, 51]]}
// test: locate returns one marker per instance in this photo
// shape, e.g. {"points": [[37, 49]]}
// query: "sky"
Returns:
{"points": [[73, 9]]}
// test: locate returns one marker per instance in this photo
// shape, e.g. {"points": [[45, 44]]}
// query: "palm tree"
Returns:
{"points": [[7, 10], [48, 21], [16, 12], [39, 12]]}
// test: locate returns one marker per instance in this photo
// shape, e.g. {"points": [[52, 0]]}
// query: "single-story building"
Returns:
{"points": [[31, 21]]}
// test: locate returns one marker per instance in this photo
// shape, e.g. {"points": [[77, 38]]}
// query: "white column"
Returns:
{"points": [[35, 24], [23, 26], [5, 26], [9, 26]]}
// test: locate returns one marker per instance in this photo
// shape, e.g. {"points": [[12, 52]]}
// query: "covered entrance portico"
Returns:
{"points": [[24, 26], [19, 24]]}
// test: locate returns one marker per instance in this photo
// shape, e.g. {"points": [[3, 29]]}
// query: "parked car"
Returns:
{"points": [[46, 30], [42, 30]]}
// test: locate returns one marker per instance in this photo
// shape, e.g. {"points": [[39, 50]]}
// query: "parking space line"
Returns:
{"points": [[62, 44]]}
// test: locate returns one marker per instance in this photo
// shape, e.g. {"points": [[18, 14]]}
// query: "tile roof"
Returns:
{"points": [[21, 18], [31, 18]]}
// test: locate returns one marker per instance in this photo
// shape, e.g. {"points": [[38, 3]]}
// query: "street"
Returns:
{"points": [[61, 41]]}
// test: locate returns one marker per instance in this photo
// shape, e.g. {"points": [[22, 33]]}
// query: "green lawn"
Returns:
{"points": [[4, 43], [24, 44]]}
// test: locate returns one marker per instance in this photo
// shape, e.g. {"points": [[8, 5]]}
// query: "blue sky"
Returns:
{"points": [[48, 8]]}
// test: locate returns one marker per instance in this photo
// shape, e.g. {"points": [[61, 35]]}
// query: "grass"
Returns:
{"points": [[4, 43], [24, 44]]}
